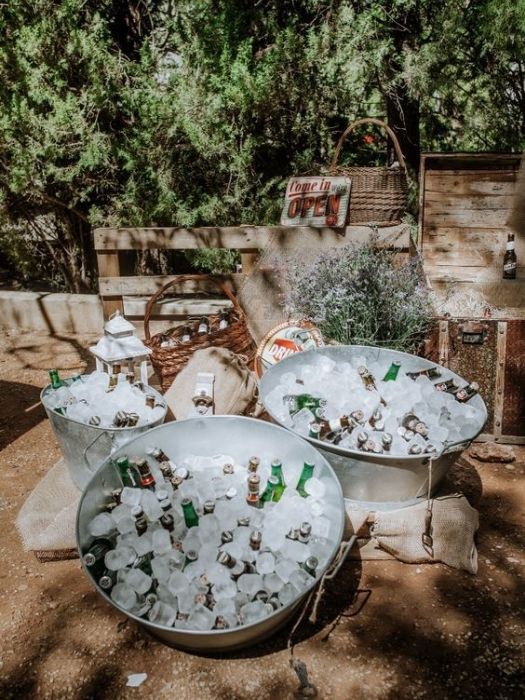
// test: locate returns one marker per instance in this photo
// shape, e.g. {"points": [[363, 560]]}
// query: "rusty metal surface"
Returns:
{"points": [[514, 392]]}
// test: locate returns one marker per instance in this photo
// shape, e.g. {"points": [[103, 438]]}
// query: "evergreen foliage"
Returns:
{"points": [[196, 112]]}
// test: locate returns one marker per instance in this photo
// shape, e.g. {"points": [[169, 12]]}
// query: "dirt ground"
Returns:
{"points": [[387, 630]]}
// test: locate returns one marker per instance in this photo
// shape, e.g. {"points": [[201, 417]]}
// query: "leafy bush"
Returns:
{"points": [[361, 295]]}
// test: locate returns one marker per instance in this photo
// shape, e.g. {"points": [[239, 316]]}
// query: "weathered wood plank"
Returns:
{"points": [[438, 257], [501, 344], [109, 266], [243, 238], [482, 184], [118, 286], [454, 201], [474, 275], [490, 218], [136, 306]]}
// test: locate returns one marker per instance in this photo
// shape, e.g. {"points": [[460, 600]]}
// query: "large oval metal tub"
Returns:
{"points": [[239, 437], [378, 482], [85, 447]]}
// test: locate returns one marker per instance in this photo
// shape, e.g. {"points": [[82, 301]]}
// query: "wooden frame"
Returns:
{"points": [[114, 287]]}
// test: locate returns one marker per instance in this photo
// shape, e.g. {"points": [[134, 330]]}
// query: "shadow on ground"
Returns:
{"points": [[20, 410]]}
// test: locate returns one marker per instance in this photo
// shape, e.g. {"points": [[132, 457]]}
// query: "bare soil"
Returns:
{"points": [[387, 630]]}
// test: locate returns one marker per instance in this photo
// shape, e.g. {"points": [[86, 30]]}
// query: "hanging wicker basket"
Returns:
{"points": [[378, 194], [168, 361]]}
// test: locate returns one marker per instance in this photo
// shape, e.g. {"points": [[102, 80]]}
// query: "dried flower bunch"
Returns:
{"points": [[360, 295]]}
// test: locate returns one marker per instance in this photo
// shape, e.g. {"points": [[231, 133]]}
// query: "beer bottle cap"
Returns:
{"points": [[312, 563]]}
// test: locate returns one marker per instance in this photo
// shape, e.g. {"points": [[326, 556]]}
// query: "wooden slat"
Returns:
{"points": [[501, 345], [453, 201], [477, 275], [125, 286], [481, 184], [136, 306], [507, 300], [109, 266], [468, 218], [505, 439], [243, 238]]}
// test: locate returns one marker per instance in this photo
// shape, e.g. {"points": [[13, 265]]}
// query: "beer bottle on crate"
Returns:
{"points": [[510, 262]]}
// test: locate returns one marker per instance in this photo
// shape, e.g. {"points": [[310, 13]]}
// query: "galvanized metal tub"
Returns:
{"points": [[378, 482], [239, 437], [85, 447]]}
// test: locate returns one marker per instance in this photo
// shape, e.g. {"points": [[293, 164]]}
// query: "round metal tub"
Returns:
{"points": [[378, 482], [240, 438], [85, 447]]}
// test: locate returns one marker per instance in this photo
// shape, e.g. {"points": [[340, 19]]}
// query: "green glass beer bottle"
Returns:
{"points": [[296, 402], [277, 471], [190, 514], [97, 551], [307, 473], [392, 372], [54, 377], [267, 494], [126, 472]]}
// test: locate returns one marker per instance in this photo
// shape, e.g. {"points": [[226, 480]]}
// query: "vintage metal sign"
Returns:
{"points": [[316, 201], [284, 340]]}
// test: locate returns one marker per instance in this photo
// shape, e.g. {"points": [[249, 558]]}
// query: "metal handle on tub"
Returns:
{"points": [[91, 468]]}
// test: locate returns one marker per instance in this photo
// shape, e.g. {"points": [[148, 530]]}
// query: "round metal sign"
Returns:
{"points": [[284, 340]]}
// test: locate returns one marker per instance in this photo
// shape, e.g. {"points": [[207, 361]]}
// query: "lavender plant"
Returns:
{"points": [[360, 295]]}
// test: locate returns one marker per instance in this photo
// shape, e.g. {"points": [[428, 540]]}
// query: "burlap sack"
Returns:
{"points": [[453, 526], [235, 387], [46, 521]]}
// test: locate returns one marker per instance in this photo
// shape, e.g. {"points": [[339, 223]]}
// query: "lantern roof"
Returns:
{"points": [[110, 349], [117, 324]]}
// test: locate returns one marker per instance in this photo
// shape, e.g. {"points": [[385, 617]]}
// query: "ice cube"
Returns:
{"points": [[284, 567], [161, 541], [162, 614], [265, 563], [201, 619], [124, 596], [160, 568], [273, 582], [130, 496], [300, 579], [138, 580], [251, 612], [118, 558], [250, 584], [287, 594], [315, 487], [178, 583], [102, 524]]}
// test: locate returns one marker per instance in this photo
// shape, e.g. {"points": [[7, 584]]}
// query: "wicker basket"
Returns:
{"points": [[378, 194], [168, 361]]}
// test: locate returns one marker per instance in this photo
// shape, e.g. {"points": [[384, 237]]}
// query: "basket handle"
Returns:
{"points": [[183, 278], [370, 120]]}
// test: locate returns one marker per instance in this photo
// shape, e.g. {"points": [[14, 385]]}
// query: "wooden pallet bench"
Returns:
{"points": [[130, 293]]}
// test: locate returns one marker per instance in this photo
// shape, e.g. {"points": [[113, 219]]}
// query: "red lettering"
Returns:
{"points": [[294, 207], [307, 204], [334, 201], [320, 205]]}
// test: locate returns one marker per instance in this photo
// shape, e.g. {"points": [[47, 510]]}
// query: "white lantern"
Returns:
{"points": [[120, 346]]}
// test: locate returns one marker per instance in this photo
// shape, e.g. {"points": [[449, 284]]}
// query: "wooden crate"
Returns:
{"points": [[129, 293], [465, 201]]}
